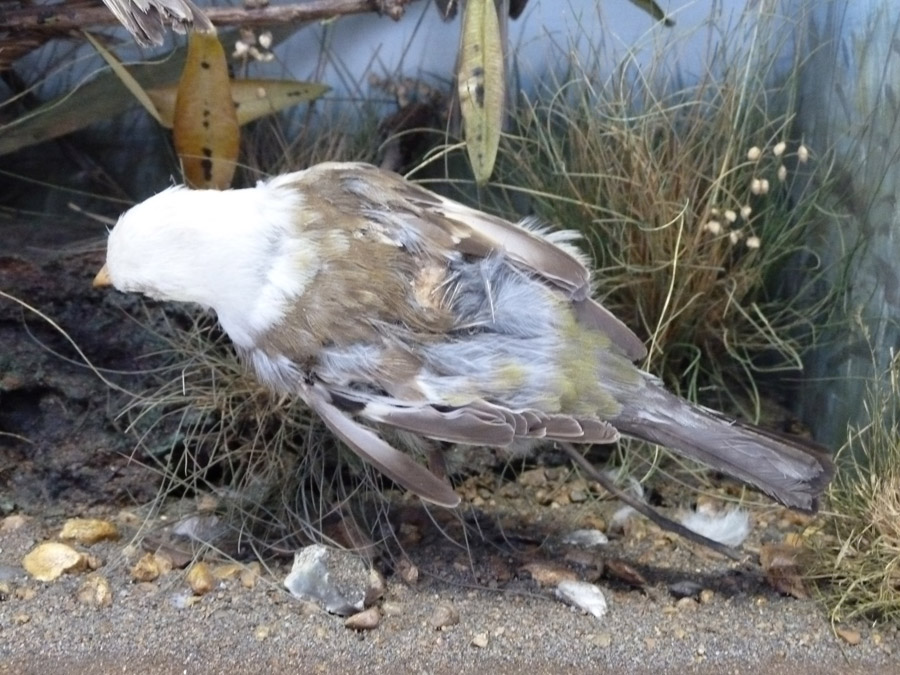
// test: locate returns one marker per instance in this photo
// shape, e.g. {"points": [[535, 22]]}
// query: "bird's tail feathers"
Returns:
{"points": [[792, 470]]}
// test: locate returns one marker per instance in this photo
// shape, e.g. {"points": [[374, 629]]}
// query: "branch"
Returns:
{"points": [[61, 17], [645, 509]]}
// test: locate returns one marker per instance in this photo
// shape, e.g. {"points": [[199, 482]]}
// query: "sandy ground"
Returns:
{"points": [[45, 628], [62, 456]]}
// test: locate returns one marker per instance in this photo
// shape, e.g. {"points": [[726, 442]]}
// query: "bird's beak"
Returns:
{"points": [[102, 279]]}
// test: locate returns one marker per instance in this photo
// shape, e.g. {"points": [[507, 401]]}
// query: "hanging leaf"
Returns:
{"points": [[102, 97], [206, 131], [446, 8], [516, 7], [252, 98], [481, 84], [654, 10]]}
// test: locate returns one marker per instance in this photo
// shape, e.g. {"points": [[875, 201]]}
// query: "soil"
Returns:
{"points": [[466, 591]]}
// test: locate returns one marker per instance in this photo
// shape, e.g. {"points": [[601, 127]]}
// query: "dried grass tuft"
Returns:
{"points": [[856, 561]]}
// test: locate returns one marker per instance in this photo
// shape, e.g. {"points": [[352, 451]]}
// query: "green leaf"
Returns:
{"points": [[481, 85], [124, 77]]}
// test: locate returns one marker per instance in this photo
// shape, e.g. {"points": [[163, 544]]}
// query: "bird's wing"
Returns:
{"points": [[146, 19], [530, 250], [478, 422], [397, 466], [415, 216]]}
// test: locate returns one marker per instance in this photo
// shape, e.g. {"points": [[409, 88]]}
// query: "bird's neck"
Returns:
{"points": [[257, 263]]}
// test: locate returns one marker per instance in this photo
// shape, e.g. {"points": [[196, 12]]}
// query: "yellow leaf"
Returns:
{"points": [[257, 98], [207, 136], [101, 98], [252, 98], [481, 85]]}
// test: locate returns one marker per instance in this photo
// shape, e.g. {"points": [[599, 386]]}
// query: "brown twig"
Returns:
{"points": [[62, 17], [645, 509]]}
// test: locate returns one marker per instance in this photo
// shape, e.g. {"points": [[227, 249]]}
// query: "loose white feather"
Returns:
{"points": [[730, 527]]}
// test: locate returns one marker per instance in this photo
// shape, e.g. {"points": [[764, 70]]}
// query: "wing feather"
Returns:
{"points": [[481, 422], [396, 465], [536, 255], [408, 211], [458, 425]]}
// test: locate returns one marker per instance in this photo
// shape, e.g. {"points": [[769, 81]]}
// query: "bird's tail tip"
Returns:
{"points": [[791, 470]]}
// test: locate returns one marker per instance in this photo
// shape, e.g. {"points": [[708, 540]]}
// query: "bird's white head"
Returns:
{"points": [[160, 247], [214, 248]]}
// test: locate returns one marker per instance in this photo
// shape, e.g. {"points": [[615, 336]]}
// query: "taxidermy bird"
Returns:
{"points": [[379, 302], [146, 19]]}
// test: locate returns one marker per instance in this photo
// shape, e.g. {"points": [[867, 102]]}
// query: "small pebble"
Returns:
{"points": [[586, 538], [443, 616], [849, 635], [88, 531], [47, 561], [95, 591], [376, 587], [336, 579], [549, 574], [583, 595], [150, 567], [686, 604], [533, 478], [685, 589], [602, 640], [250, 575], [408, 572], [368, 619], [200, 578]]}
